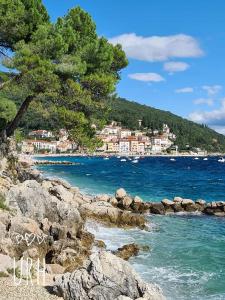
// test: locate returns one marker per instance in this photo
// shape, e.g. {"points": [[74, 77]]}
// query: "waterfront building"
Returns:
{"points": [[124, 146], [44, 145]]}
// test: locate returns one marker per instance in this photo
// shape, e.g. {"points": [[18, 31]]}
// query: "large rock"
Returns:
{"points": [[105, 212], [22, 236], [157, 208], [61, 193], [127, 251], [105, 276], [120, 194], [169, 205], [186, 202], [31, 200], [125, 202]]}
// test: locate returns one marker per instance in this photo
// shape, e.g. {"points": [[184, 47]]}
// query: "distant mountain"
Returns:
{"points": [[187, 132]]}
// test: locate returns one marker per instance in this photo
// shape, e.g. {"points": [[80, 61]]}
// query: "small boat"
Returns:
{"points": [[137, 157], [222, 160], [123, 159], [196, 158], [135, 161], [118, 156], [172, 159], [205, 158], [105, 158]]}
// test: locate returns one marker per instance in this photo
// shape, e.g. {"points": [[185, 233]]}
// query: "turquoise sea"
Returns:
{"points": [[187, 256]]}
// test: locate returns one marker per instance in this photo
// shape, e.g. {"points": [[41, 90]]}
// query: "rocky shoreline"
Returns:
{"points": [[43, 219]]}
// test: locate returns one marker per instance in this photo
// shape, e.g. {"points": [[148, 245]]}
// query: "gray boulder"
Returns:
{"points": [[30, 199], [105, 276]]}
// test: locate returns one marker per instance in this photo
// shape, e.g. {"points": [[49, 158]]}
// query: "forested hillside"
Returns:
{"points": [[187, 132]]}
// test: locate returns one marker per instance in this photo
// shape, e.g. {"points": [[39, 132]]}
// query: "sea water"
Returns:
{"points": [[187, 253]]}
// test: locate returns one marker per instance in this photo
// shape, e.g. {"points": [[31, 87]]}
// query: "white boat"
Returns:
{"points": [[123, 159], [135, 161], [222, 160], [173, 159], [118, 156], [196, 158], [105, 158], [137, 157], [205, 158]]}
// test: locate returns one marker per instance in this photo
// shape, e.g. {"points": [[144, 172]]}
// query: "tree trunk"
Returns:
{"points": [[11, 127]]}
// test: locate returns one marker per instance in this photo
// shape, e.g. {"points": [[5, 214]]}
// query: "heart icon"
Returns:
{"points": [[29, 238], [41, 238], [19, 238]]}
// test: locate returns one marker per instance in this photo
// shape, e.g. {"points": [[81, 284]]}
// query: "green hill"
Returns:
{"points": [[187, 132]]}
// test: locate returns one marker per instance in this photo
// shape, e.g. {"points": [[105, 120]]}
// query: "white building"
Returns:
{"points": [[44, 145], [141, 148], [124, 146], [124, 133]]}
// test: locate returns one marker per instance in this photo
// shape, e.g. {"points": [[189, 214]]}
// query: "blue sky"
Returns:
{"points": [[176, 52]]}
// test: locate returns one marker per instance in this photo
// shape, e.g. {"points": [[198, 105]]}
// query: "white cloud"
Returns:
{"points": [[184, 90], [158, 48], [215, 117], [147, 77], [207, 101], [175, 66], [220, 129], [212, 89]]}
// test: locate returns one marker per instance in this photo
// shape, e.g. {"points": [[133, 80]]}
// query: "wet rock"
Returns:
{"points": [[157, 208], [105, 276], [127, 251], [178, 207]]}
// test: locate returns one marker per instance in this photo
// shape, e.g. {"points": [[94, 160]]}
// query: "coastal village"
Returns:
{"points": [[115, 138]]}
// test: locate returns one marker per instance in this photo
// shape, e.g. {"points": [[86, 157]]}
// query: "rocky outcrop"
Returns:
{"points": [[105, 276], [127, 251], [31, 200], [105, 212]]}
